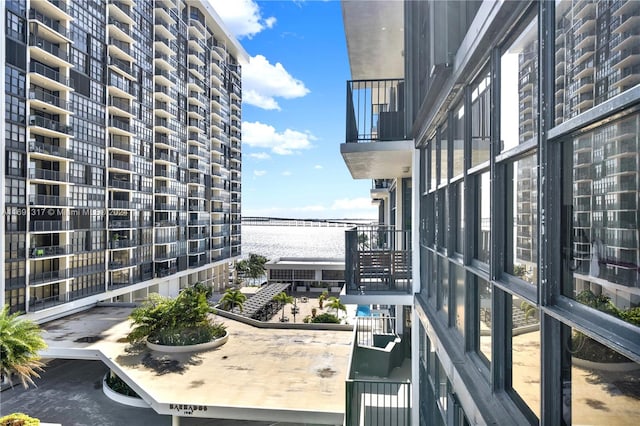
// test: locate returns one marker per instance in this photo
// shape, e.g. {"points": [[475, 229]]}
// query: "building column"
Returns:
{"points": [[175, 420]]}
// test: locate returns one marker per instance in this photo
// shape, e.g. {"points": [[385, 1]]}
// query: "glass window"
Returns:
{"points": [[457, 148], [432, 164], [444, 155], [460, 293], [433, 280], [522, 219], [592, 393], [518, 88], [596, 53], [600, 200], [442, 208], [459, 188], [483, 217], [480, 120], [525, 352], [444, 284], [483, 324]]}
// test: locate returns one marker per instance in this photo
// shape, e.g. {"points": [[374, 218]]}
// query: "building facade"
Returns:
{"points": [[122, 151], [524, 124]]}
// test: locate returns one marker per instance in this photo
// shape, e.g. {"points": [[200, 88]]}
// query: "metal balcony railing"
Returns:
{"points": [[378, 260], [375, 110], [378, 403]]}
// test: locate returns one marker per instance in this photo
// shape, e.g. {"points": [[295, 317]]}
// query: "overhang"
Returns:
{"points": [[375, 38], [378, 160]]}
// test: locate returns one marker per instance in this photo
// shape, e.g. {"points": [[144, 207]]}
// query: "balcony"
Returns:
{"points": [[47, 123], [376, 145], [378, 265], [378, 389]]}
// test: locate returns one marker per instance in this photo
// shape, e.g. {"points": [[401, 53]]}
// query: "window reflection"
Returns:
{"points": [[518, 89], [600, 385], [458, 141], [601, 196], [444, 283], [444, 155], [460, 217], [484, 323], [525, 344], [459, 297], [483, 217], [480, 120], [523, 216], [596, 55]]}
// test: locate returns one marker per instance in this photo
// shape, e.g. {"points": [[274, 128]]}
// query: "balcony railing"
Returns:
{"points": [[375, 110], [378, 389], [378, 259], [378, 403]]}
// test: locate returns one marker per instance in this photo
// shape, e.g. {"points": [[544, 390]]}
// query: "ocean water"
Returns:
{"points": [[293, 241]]}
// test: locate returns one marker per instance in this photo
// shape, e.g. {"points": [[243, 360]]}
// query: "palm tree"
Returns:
{"points": [[256, 266], [282, 298], [20, 341], [233, 298], [335, 303]]}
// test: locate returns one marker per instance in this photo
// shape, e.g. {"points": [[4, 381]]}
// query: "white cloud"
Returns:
{"points": [[259, 172], [260, 155], [262, 135], [317, 167], [242, 17], [262, 82], [286, 173]]}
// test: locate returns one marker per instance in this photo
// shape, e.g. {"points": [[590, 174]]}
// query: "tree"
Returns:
{"points": [[20, 341], [282, 298], [335, 303], [233, 298], [253, 267]]}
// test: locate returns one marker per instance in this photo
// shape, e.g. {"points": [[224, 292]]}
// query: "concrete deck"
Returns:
{"points": [[259, 374]]}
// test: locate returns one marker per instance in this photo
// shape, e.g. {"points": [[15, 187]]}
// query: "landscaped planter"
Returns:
{"points": [[131, 401], [335, 289], [301, 288], [190, 348], [317, 289]]}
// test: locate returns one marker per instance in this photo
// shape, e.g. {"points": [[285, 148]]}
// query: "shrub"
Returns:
{"points": [[18, 419], [118, 385], [180, 321], [326, 318], [631, 315]]}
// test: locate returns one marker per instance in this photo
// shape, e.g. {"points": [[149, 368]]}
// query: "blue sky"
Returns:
{"points": [[293, 110]]}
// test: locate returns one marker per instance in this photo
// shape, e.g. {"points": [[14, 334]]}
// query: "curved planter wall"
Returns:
{"points": [[605, 366], [189, 348], [122, 399]]}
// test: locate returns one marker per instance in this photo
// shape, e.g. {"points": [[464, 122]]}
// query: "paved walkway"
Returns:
{"points": [[305, 309]]}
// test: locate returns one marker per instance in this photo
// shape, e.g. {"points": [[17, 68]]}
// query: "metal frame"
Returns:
{"points": [[556, 312]]}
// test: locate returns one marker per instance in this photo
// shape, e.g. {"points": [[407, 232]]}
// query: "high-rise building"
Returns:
{"points": [[122, 151], [519, 145]]}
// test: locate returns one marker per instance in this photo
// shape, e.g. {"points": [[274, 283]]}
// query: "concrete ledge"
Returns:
{"points": [[131, 401], [189, 348]]}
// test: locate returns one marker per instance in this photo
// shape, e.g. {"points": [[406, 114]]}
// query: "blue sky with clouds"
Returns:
{"points": [[293, 114]]}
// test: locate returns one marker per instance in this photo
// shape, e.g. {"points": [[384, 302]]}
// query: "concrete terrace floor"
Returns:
{"points": [[259, 374]]}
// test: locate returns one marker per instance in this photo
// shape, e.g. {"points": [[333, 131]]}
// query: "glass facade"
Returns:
{"points": [[539, 210], [122, 161]]}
